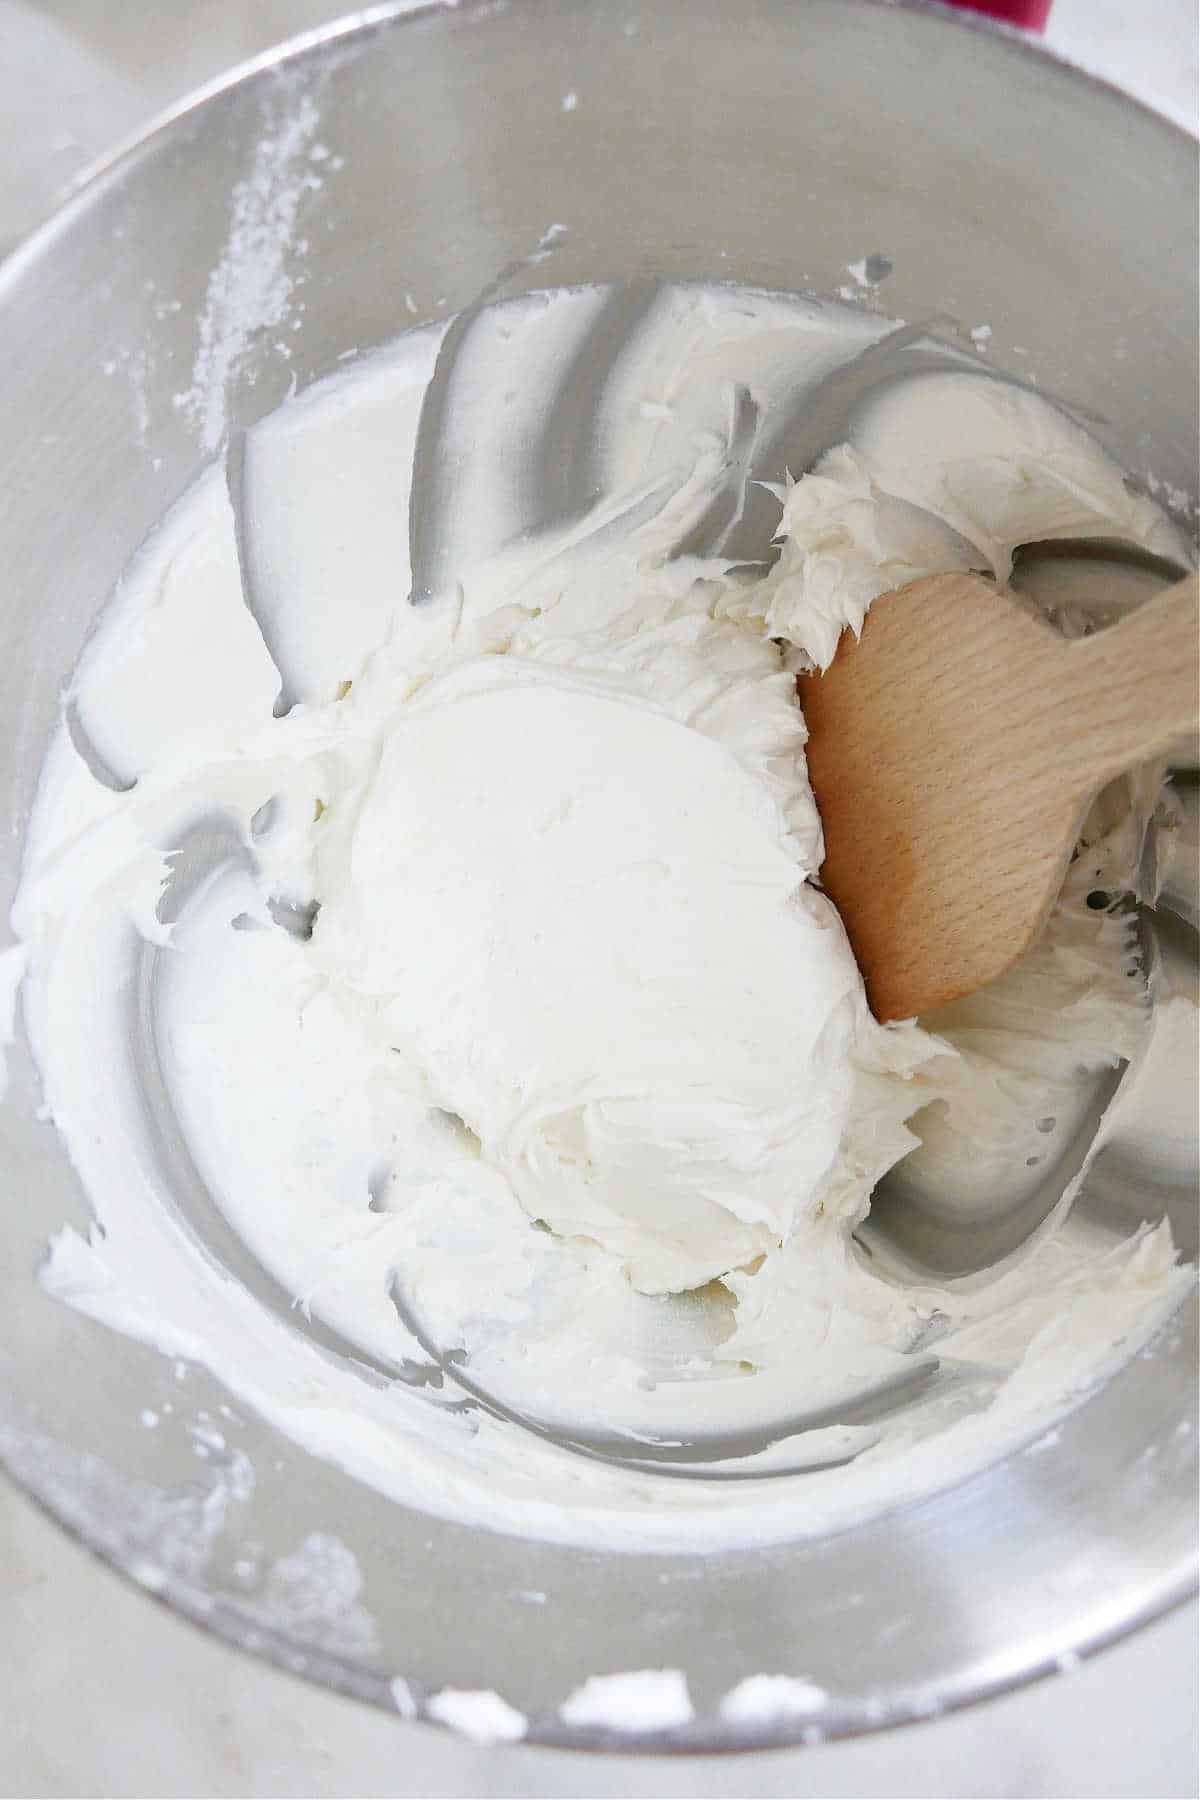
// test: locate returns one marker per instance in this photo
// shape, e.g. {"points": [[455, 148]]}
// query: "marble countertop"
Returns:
{"points": [[175, 1713]]}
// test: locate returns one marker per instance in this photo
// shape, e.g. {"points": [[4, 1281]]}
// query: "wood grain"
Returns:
{"points": [[954, 751]]}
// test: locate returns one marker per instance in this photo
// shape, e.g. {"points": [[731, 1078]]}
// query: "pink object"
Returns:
{"points": [[1031, 15]]}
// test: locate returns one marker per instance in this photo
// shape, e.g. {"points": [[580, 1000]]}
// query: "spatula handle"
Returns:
{"points": [[1135, 686]]}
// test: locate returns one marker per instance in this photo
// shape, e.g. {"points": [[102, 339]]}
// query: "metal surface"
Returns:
{"points": [[777, 155]]}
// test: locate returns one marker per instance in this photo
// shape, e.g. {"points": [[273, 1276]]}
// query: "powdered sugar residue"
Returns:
{"points": [[250, 288], [315, 1594], [403, 1698], [12, 973]]}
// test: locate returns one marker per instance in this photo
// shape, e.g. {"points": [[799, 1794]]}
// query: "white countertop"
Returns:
{"points": [[174, 1712]]}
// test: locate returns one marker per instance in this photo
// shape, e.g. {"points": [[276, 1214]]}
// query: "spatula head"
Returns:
{"points": [[954, 750]]}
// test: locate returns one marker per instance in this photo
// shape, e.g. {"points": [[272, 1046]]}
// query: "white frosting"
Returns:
{"points": [[582, 925], [179, 607], [326, 481], [478, 1713], [633, 1700], [764, 1699], [943, 472], [567, 963]]}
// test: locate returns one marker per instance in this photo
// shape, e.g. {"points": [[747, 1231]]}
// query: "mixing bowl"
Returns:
{"points": [[393, 169]]}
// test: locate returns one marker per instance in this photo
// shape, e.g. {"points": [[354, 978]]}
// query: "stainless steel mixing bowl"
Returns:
{"points": [[774, 143]]}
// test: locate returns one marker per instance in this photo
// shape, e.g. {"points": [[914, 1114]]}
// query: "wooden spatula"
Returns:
{"points": [[954, 751]]}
